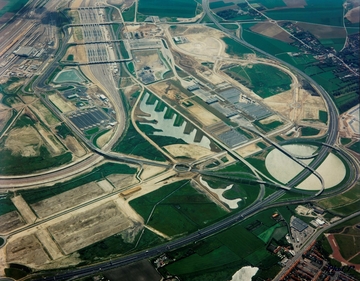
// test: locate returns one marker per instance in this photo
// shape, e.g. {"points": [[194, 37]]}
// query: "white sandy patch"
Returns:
{"points": [[285, 169], [167, 125], [233, 204], [244, 274]]}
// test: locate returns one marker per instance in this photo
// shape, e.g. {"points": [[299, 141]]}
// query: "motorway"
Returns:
{"points": [[102, 73], [332, 110]]}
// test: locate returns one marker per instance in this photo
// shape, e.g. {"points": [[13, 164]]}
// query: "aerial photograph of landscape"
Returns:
{"points": [[180, 140]]}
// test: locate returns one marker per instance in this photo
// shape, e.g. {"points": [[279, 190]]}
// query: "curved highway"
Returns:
{"points": [[332, 110]]}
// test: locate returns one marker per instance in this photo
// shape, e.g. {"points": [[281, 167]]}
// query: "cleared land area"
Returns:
{"points": [[264, 80], [24, 209], [67, 199], [26, 250], [138, 271], [89, 226], [177, 208], [10, 221], [272, 30], [61, 104], [187, 150]]}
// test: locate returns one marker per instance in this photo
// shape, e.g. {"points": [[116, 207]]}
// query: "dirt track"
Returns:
{"points": [[336, 252]]}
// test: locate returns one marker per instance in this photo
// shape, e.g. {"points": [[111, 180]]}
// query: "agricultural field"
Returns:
{"points": [[10, 7], [134, 144], [220, 256], [97, 174], [170, 8], [177, 208], [264, 80]]}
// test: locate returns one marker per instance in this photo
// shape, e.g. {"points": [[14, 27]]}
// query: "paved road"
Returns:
{"points": [[332, 110]]}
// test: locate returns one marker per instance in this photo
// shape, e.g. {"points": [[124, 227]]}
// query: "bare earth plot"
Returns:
{"points": [[24, 141], [353, 15], [248, 150], [42, 111], [26, 250], [89, 226], [121, 181], [74, 146], [10, 221], [67, 199], [61, 104], [78, 52], [202, 115], [188, 150], [272, 30], [24, 209], [295, 3], [4, 116]]}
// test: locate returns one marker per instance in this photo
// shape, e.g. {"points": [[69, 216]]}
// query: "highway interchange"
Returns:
{"points": [[96, 32]]}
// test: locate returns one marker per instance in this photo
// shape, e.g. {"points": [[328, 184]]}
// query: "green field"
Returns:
{"points": [[269, 45], [349, 244], [169, 8], [129, 14], [264, 80], [6, 205], [177, 208], [355, 147], [341, 200], [116, 245], [12, 6], [134, 144], [234, 48], [316, 11], [269, 4], [308, 131], [221, 255], [98, 173], [68, 76], [9, 164]]}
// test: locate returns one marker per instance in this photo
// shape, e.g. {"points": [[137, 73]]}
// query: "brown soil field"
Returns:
{"points": [[188, 150], [102, 140], [248, 150], [149, 171], [24, 209], [202, 115], [24, 141], [48, 243], [10, 221], [151, 59], [3, 3], [323, 31], [44, 113], [336, 252], [62, 105], [295, 3], [89, 226], [67, 199], [4, 117], [218, 128], [270, 119], [272, 30], [52, 143], [138, 271], [105, 186], [6, 17], [76, 4], [26, 250], [168, 89], [353, 15], [200, 44], [211, 77], [121, 181], [78, 52], [74, 146]]}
